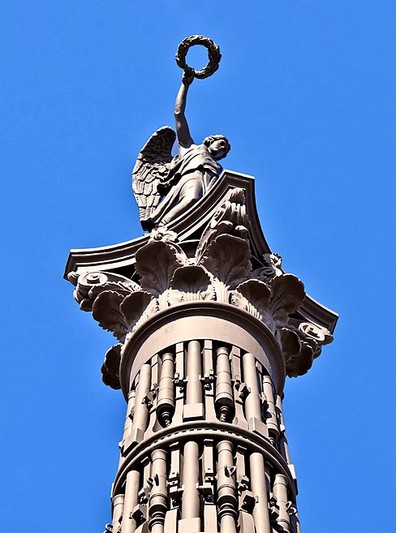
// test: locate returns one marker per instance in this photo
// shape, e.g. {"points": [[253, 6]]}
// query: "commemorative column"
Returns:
{"points": [[209, 326]]}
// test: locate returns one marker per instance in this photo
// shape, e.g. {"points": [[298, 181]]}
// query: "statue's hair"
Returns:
{"points": [[208, 141]]}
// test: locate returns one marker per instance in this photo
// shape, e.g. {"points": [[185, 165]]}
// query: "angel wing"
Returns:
{"points": [[151, 168]]}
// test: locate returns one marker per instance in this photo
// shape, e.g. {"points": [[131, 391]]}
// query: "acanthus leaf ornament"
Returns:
{"points": [[287, 296], [90, 285], [228, 259], [106, 311], [134, 306], [257, 295], [156, 263], [110, 367], [191, 283], [229, 219], [301, 362]]}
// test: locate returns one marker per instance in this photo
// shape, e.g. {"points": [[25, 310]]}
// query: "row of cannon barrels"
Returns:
{"points": [[201, 380], [213, 486]]}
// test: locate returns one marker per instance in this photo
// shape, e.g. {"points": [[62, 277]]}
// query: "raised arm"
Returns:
{"points": [[183, 132]]}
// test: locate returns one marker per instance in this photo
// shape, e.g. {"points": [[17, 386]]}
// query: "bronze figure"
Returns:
{"points": [[166, 186]]}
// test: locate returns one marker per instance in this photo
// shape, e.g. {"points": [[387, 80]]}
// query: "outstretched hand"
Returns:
{"points": [[188, 77]]}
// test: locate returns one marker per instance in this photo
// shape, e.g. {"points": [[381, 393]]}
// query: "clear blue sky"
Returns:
{"points": [[306, 94]]}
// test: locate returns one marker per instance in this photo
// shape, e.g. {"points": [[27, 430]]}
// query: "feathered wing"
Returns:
{"points": [[152, 167]]}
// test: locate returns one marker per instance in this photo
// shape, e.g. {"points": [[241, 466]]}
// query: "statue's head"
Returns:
{"points": [[218, 146]]}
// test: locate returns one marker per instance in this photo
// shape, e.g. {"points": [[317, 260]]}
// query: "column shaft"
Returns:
{"points": [[190, 499], [159, 494], [252, 402], [194, 371], [130, 501], [166, 391], [259, 490]]}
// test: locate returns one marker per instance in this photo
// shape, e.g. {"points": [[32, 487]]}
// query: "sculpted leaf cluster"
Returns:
{"points": [[220, 270]]}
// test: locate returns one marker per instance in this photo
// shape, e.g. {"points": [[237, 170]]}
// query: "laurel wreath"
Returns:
{"points": [[214, 55]]}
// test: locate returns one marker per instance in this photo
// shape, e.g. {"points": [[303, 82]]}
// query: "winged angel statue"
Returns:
{"points": [[166, 186]]}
